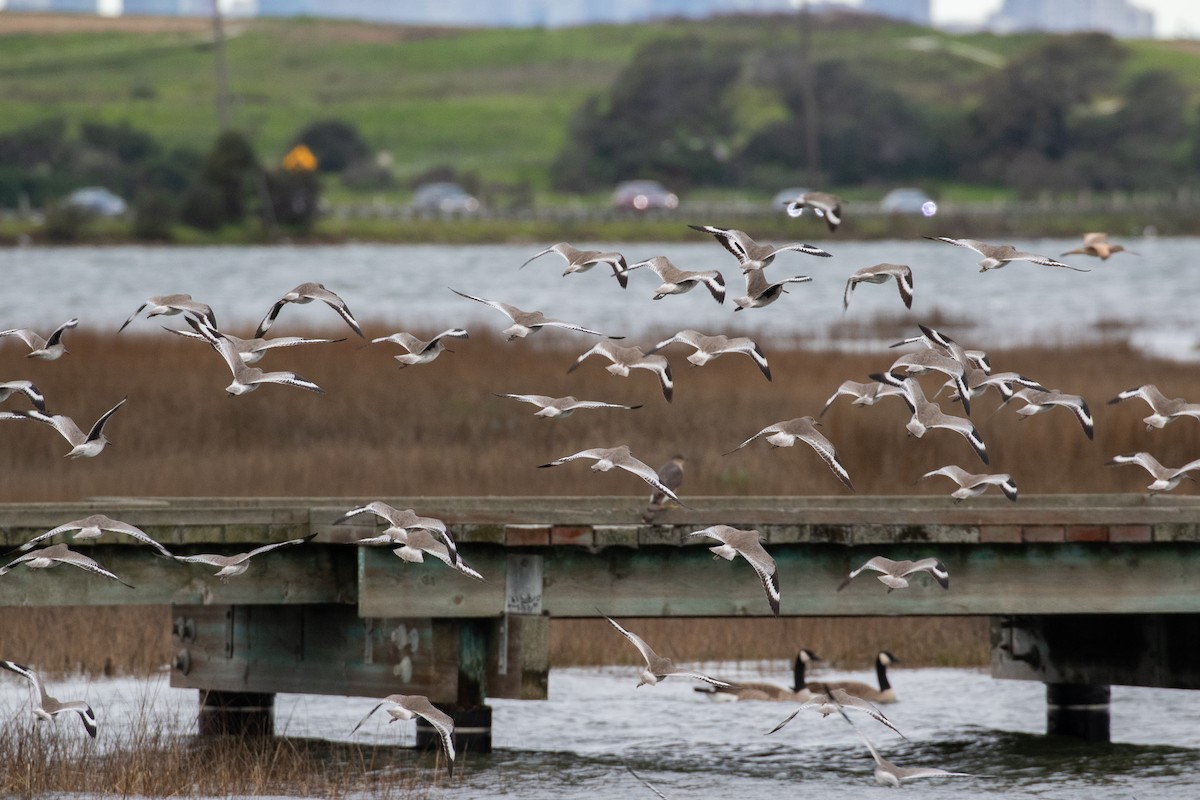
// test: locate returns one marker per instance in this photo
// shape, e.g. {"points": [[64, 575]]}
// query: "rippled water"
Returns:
{"points": [[1150, 297], [581, 742]]}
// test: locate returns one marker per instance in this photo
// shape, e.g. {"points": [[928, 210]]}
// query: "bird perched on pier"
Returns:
{"points": [[307, 293], [670, 475], [245, 378], [709, 347], [48, 349], [1163, 410], [408, 706], [679, 281], [251, 351], [1000, 255], [894, 574], [625, 359], [83, 445], [10, 388], [972, 485], [92, 526], [749, 253], [56, 554], [170, 304], [803, 429], [46, 708], [825, 205], [526, 322], [419, 350], [1165, 478], [882, 273], [748, 545], [608, 458], [583, 260], [240, 562], [562, 406], [658, 667], [1097, 244]]}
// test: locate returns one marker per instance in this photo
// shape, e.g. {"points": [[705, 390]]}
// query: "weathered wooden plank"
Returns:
{"points": [[390, 587]]}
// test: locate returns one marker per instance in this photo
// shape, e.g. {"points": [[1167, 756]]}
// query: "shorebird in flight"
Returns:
{"points": [[658, 667], [401, 521], [56, 554], [889, 774], [749, 253], [1037, 401], [1165, 478], [239, 563], [839, 701], [583, 260], [169, 304], [562, 406], [709, 347], [761, 292], [747, 544], [47, 708], [786, 434], [1163, 410], [9, 388], [826, 206], [999, 255], [251, 351], [245, 378], [1097, 244], [416, 543], [608, 458], [921, 362], [679, 281], [406, 707], [927, 414], [894, 574], [972, 485], [864, 394], [307, 293], [625, 359], [882, 273], [83, 445], [936, 340], [92, 526], [526, 322], [419, 350], [48, 349]]}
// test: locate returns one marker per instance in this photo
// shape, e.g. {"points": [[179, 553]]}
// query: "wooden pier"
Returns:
{"points": [[1084, 591]]}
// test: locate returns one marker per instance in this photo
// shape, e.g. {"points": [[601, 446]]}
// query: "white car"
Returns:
{"points": [[908, 200], [97, 200]]}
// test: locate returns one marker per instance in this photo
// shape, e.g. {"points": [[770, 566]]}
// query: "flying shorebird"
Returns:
{"points": [[936, 340], [401, 522], [1037, 401], [998, 255], [608, 458], [749, 253], [838, 701], [56, 554], [1097, 244], [168, 304], [307, 293], [1165, 478], [826, 206], [626, 358], [670, 475], [921, 362], [1163, 410], [761, 292], [93, 526], [9, 388], [748, 545], [786, 434], [526, 322], [251, 351], [416, 543], [864, 394], [245, 378], [978, 382], [679, 281], [709, 347], [658, 667], [926, 414], [238, 563], [83, 445], [889, 774], [419, 350], [583, 260], [882, 273], [48, 349], [894, 574], [972, 485], [562, 406], [47, 707], [406, 707]]}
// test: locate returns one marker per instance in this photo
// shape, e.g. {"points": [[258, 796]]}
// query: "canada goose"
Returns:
{"points": [[762, 690], [884, 694]]}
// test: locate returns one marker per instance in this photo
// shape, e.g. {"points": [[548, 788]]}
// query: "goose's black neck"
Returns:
{"points": [[881, 673], [798, 675]]}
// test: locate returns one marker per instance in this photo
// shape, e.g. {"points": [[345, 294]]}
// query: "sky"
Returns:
{"points": [[1172, 18]]}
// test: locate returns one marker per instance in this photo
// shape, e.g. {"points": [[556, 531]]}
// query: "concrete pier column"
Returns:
{"points": [[472, 730], [236, 713], [1079, 710]]}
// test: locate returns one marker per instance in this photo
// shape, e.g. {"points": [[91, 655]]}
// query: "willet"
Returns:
{"points": [[92, 526], [626, 358], [838, 701], [251, 351], [48, 349], [927, 414], [619, 457], [786, 434], [894, 574], [972, 485], [245, 378], [883, 693], [56, 554], [416, 543], [47, 708], [168, 304], [307, 293], [670, 475], [921, 362], [401, 521], [562, 406], [583, 260], [759, 690], [709, 347], [238, 563], [864, 394], [1037, 401], [83, 445], [1165, 478], [826, 206], [406, 707], [978, 382], [889, 774], [526, 322], [657, 667], [936, 340], [419, 350], [1163, 409], [747, 544], [678, 281], [882, 273], [761, 292], [998, 255], [9, 388], [1097, 244], [749, 253]]}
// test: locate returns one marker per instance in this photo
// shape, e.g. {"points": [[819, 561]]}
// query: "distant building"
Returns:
{"points": [[1116, 17], [917, 12]]}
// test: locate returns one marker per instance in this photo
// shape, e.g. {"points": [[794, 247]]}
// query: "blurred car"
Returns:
{"points": [[97, 200], [444, 198], [908, 200], [643, 195], [784, 196]]}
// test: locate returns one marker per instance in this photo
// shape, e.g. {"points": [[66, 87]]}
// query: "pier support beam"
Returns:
{"points": [[1079, 710], [236, 713]]}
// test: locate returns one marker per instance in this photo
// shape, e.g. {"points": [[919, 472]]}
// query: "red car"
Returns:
{"points": [[643, 196]]}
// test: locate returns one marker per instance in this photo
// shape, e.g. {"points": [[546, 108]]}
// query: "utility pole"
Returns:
{"points": [[224, 114], [812, 125]]}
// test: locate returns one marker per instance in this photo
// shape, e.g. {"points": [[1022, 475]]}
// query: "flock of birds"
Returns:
{"points": [[965, 373]]}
